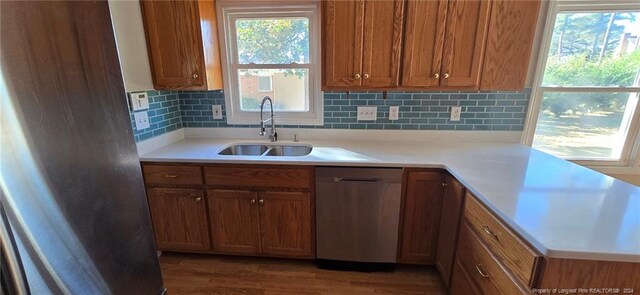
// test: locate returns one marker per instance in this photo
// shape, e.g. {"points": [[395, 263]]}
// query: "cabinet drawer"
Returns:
{"points": [[170, 174], [509, 248], [261, 177], [482, 267]]}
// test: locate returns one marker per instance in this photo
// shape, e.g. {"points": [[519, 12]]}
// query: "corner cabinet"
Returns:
{"points": [[362, 43], [182, 43], [422, 199]]}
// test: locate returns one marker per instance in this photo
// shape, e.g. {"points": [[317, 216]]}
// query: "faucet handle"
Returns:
{"points": [[275, 136]]}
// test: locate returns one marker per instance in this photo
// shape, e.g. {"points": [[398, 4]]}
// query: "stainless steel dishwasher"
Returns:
{"points": [[357, 217]]}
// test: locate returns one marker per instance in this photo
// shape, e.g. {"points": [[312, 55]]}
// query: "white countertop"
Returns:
{"points": [[564, 210]]}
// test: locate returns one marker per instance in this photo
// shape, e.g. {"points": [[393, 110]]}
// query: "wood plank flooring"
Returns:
{"points": [[212, 274]]}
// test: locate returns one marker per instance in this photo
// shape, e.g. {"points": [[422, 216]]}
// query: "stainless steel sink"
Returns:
{"points": [[244, 150], [266, 150], [289, 150]]}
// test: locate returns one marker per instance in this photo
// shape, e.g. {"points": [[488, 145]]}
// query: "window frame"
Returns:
{"points": [[228, 12], [630, 154]]}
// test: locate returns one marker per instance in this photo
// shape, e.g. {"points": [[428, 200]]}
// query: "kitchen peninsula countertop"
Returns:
{"points": [[562, 209]]}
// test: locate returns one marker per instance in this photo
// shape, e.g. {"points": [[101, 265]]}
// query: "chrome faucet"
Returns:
{"points": [[273, 135]]}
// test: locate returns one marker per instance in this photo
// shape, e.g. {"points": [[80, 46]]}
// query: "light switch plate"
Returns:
{"points": [[394, 113], [367, 113], [139, 101], [217, 111], [142, 120], [455, 113]]}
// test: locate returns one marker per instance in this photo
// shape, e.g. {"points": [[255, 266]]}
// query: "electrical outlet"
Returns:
{"points": [[139, 101], [455, 113], [142, 120], [217, 111], [394, 113], [367, 113]]}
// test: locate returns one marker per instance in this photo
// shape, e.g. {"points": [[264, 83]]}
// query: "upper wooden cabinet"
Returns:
{"points": [[182, 43], [509, 44], [444, 44], [362, 43]]}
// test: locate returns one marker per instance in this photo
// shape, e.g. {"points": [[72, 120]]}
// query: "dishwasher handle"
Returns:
{"points": [[341, 179]]}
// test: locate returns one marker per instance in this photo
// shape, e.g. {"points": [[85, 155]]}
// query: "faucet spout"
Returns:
{"points": [[273, 135]]}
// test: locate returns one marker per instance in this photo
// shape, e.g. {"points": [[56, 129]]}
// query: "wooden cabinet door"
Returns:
{"points": [[174, 43], [382, 43], [179, 218], [342, 38], [285, 222], [467, 23], [452, 202], [509, 43], [423, 43], [234, 221], [422, 205]]}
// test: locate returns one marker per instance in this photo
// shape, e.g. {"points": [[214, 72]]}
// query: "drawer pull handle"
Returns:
{"points": [[489, 232], [479, 269], [171, 175]]}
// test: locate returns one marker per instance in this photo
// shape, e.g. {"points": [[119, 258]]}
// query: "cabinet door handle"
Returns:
{"points": [[437, 76], [253, 201], [260, 202], [479, 269], [171, 175], [357, 76], [195, 76], [366, 76], [489, 232], [198, 199], [446, 76], [444, 184]]}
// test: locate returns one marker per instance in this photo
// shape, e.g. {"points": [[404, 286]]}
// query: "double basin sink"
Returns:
{"points": [[266, 150]]}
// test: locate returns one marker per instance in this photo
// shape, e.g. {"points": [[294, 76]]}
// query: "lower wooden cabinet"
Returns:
{"points": [[179, 219], [422, 205], [269, 222], [452, 202], [285, 223], [234, 221]]}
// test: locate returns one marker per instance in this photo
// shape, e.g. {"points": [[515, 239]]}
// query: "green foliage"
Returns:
{"points": [[273, 41]]}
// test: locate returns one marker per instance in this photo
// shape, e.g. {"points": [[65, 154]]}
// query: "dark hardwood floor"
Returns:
{"points": [[212, 274]]}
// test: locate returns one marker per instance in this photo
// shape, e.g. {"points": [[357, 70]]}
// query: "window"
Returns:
{"points": [[272, 50], [265, 83], [588, 83]]}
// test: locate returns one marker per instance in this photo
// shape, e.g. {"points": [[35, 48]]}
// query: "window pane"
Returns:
{"points": [[594, 49], [272, 40], [289, 89], [584, 125]]}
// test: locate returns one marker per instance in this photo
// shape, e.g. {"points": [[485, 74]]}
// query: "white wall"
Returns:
{"points": [[132, 47]]}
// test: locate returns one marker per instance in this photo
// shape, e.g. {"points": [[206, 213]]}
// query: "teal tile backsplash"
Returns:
{"points": [[506, 111]]}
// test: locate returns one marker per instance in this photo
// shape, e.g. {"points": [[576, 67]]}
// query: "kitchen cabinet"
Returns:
{"points": [[444, 43], [179, 219], [452, 202], [272, 223], [509, 43], [362, 43], [234, 221], [261, 210], [422, 193], [285, 223], [182, 43]]}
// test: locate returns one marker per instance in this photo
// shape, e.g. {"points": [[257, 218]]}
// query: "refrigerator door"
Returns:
{"points": [[71, 181]]}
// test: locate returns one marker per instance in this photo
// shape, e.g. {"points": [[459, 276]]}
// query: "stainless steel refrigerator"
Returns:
{"points": [[75, 219]]}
